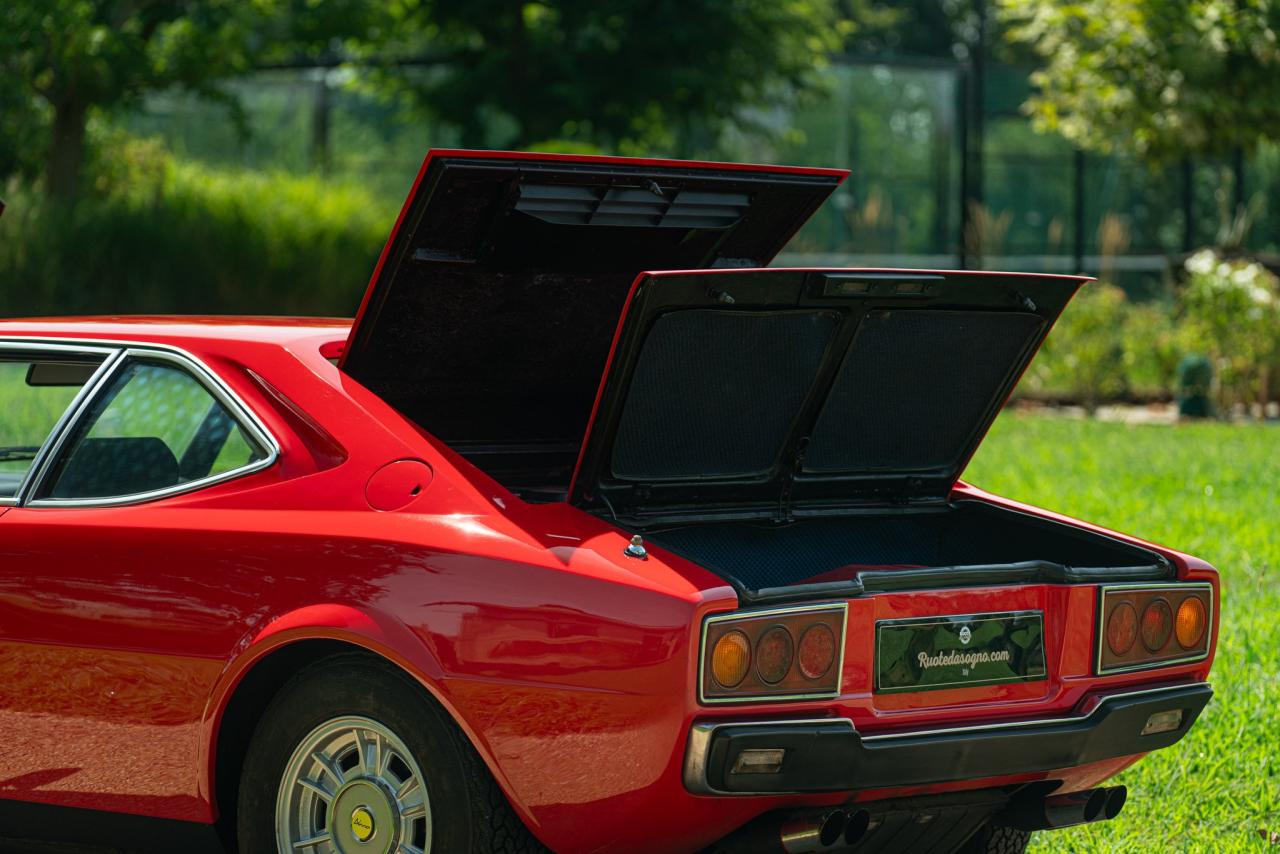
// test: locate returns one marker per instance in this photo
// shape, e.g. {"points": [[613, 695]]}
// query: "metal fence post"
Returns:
{"points": [[321, 107], [1077, 208], [1188, 205]]}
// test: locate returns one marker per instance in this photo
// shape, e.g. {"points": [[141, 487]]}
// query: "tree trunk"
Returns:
{"points": [[66, 150]]}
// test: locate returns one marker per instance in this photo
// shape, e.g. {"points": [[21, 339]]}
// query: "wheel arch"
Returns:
{"points": [[290, 643]]}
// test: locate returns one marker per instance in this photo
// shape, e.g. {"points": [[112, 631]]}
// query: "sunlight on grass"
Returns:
{"points": [[1212, 490]]}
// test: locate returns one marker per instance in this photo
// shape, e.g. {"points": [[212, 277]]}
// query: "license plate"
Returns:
{"points": [[930, 653]]}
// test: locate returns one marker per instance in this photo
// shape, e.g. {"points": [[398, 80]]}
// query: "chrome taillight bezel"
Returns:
{"points": [[756, 622], [1174, 594]]}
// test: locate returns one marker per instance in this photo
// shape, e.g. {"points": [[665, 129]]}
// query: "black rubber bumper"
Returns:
{"points": [[830, 755]]}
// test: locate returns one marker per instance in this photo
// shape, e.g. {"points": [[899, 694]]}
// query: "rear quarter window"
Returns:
{"points": [[152, 427]]}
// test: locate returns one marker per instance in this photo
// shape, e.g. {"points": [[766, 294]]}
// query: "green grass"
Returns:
{"points": [[1212, 490], [27, 414]]}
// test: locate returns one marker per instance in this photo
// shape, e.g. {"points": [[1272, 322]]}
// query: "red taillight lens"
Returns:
{"points": [[774, 653], [1157, 625], [1190, 623], [1122, 628], [817, 651], [1156, 613], [790, 653]]}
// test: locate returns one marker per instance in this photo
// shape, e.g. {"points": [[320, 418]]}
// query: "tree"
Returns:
{"points": [[624, 75], [63, 60], [1157, 78]]}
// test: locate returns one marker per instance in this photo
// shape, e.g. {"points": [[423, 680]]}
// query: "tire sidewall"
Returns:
{"points": [[353, 686]]}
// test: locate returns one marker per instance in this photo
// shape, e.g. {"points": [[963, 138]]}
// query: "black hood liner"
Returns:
{"points": [[489, 320], [759, 365], [768, 393]]}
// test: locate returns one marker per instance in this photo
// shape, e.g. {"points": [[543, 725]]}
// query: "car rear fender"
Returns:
{"points": [[340, 625]]}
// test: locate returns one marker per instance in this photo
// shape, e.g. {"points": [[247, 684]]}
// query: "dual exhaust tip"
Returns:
{"points": [[836, 829], [825, 830], [1067, 810]]}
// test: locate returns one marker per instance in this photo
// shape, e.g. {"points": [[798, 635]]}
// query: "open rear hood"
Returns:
{"points": [[489, 317], [773, 393]]}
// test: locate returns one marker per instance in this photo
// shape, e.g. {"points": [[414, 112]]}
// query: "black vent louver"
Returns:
{"points": [[631, 206]]}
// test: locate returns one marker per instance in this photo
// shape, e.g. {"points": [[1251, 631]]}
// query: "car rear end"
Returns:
{"points": [[936, 713], [910, 663], [903, 660]]}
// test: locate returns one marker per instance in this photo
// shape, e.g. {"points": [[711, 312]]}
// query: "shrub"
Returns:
{"points": [[1086, 357], [1153, 346], [1230, 309], [161, 236]]}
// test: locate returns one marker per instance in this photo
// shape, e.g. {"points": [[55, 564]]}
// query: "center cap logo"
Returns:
{"points": [[362, 824], [965, 635]]}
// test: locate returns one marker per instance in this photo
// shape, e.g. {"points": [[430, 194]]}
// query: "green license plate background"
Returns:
{"points": [[930, 653]]}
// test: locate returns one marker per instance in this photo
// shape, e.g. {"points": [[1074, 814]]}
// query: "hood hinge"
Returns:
{"points": [[788, 480]]}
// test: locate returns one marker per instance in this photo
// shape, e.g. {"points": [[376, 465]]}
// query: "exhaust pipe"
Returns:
{"points": [[1116, 797], [810, 833], [856, 827], [1064, 810]]}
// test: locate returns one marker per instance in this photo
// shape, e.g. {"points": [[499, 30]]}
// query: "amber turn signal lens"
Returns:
{"points": [[1190, 623], [1157, 625], [774, 654], [1122, 628], [731, 659], [817, 651]]}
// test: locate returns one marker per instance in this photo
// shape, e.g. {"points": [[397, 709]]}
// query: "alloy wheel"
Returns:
{"points": [[353, 787]]}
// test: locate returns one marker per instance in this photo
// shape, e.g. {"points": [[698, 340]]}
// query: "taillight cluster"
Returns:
{"points": [[786, 653], [1144, 626]]}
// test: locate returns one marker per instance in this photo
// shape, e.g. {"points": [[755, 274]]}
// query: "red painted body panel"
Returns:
{"points": [[124, 631]]}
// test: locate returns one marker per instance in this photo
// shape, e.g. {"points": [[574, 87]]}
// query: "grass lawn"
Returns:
{"points": [[1212, 490]]}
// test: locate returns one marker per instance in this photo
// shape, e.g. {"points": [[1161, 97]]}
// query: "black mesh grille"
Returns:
{"points": [[715, 392], [913, 386]]}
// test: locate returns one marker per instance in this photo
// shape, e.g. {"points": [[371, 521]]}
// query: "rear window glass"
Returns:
{"points": [[34, 393]]}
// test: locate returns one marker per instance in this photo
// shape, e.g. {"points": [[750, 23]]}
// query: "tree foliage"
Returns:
{"points": [[77, 55], [63, 61], [622, 75], [1159, 78], [613, 74]]}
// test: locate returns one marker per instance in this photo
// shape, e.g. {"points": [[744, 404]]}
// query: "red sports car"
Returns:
{"points": [[544, 551]]}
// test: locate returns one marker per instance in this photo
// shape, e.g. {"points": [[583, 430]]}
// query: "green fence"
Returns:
{"points": [[943, 174]]}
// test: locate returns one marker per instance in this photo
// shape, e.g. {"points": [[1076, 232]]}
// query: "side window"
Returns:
{"points": [[154, 426], [34, 392]]}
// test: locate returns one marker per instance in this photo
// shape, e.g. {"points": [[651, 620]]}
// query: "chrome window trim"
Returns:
{"points": [[701, 733], [110, 355], [1154, 587], [244, 416], [729, 616]]}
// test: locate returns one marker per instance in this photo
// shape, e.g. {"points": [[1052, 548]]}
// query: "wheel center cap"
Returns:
{"points": [[364, 819], [362, 826]]}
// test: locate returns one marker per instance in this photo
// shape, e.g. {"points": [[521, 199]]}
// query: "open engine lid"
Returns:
{"points": [[489, 317], [772, 393]]}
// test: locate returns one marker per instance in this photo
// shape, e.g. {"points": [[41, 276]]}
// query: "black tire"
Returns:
{"points": [[993, 839], [470, 814]]}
